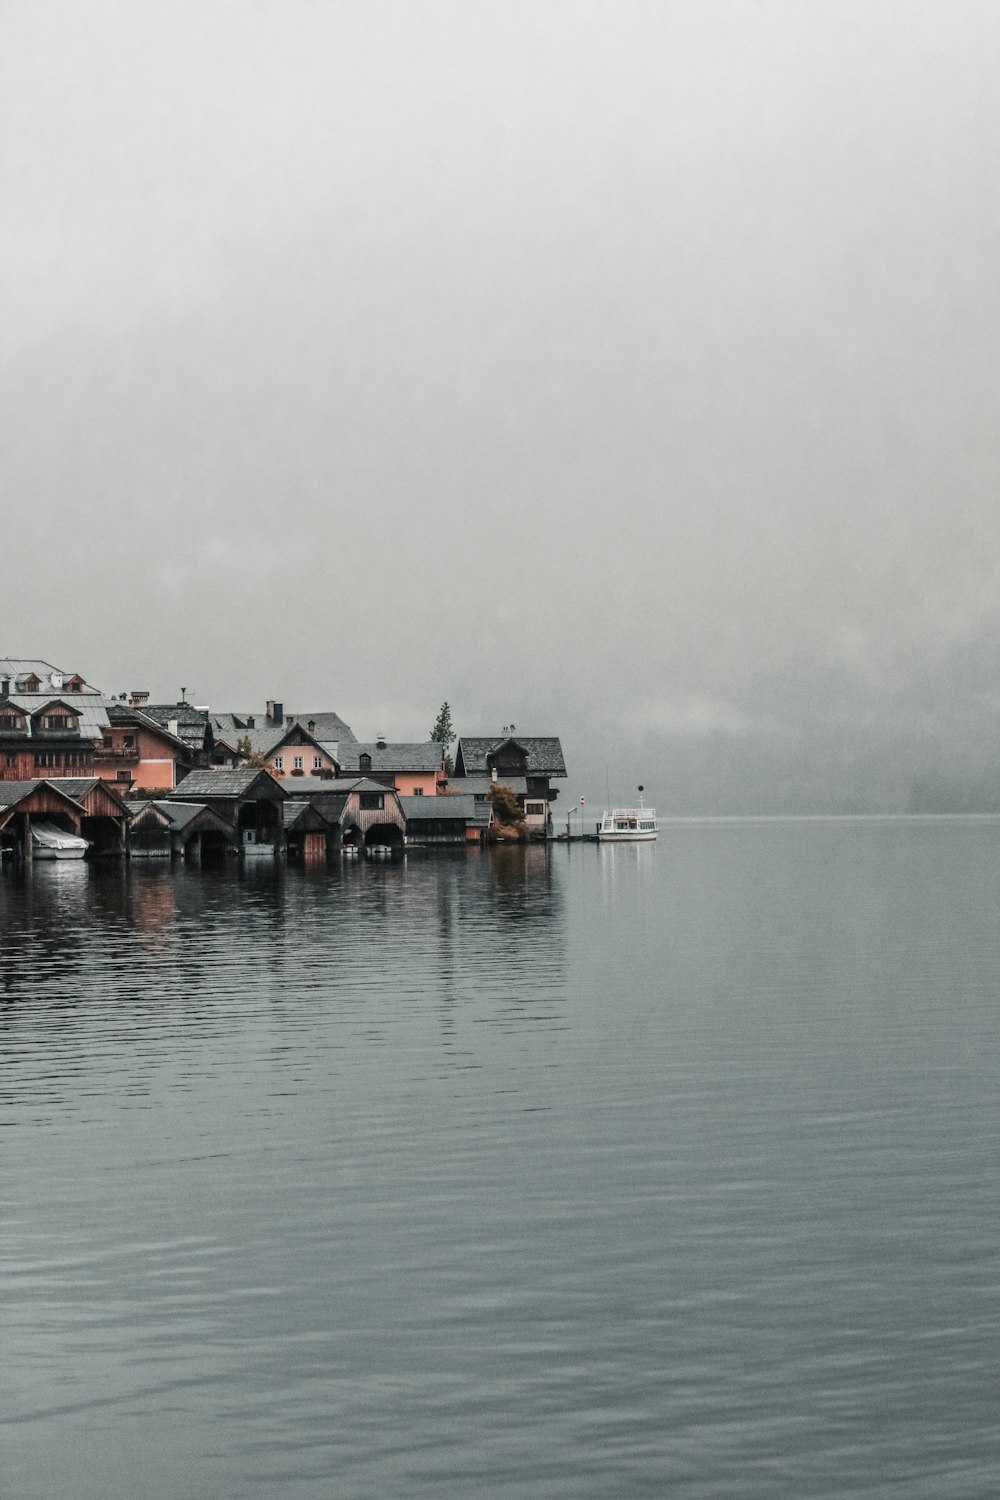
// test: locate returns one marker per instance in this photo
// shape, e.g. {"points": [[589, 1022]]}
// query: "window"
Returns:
{"points": [[317, 762], [534, 809], [279, 763], [297, 763], [12, 760], [57, 721], [372, 801], [364, 761], [418, 791], [46, 758]]}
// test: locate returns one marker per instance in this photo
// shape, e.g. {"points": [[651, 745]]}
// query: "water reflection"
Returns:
{"points": [[557, 1174], [466, 938]]}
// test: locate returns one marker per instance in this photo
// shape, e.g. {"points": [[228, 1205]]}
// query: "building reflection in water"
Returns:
{"points": [[465, 934]]}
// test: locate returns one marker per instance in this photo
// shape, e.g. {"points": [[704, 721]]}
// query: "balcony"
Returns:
{"points": [[114, 755]]}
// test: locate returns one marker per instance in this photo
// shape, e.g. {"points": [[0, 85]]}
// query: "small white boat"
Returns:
{"points": [[628, 825], [50, 842]]}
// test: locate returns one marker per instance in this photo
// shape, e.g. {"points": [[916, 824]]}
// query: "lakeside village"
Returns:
{"points": [[83, 773]]}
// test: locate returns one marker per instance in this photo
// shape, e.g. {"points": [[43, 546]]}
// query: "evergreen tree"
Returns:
{"points": [[443, 731]]}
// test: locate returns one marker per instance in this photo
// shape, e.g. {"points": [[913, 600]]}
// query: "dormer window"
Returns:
{"points": [[364, 761], [76, 684], [31, 683], [62, 722]]}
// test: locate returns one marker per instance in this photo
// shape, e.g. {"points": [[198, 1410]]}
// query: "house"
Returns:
{"points": [[166, 828], [309, 835], [446, 820], [248, 800], [415, 770], [327, 727], [105, 813], [140, 753], [50, 723], [185, 722], [21, 801], [80, 805], [361, 815], [526, 764], [288, 751]]}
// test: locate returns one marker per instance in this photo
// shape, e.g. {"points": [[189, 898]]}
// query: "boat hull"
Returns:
{"points": [[626, 838]]}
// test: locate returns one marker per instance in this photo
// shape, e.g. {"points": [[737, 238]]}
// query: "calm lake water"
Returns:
{"points": [[581, 1172]]}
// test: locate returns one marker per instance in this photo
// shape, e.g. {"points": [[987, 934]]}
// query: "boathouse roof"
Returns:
{"points": [[428, 809], [225, 785]]}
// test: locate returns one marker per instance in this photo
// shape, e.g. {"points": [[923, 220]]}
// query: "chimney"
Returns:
{"points": [[4, 687], [380, 742], [275, 712], [172, 727], [138, 697], [493, 773]]}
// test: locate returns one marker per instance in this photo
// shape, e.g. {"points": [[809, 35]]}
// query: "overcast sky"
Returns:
{"points": [[626, 370]]}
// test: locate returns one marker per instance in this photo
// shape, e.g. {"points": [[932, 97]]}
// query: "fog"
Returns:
{"points": [[624, 371]]}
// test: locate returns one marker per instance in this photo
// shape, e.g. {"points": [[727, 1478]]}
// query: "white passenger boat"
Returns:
{"points": [[50, 842], [628, 825]]}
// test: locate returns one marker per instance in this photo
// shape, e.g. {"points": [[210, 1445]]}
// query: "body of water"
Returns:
{"points": [[573, 1172]]}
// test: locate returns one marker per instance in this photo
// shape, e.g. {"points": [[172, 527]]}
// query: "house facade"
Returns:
{"points": [[527, 764], [139, 753], [51, 722]]}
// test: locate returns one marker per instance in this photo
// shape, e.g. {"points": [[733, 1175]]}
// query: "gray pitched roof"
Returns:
{"points": [[329, 804], [88, 707], [14, 667], [309, 814], [544, 753], [121, 713], [210, 786], [182, 813], [326, 726], [261, 740], [423, 755], [191, 722], [422, 809]]}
